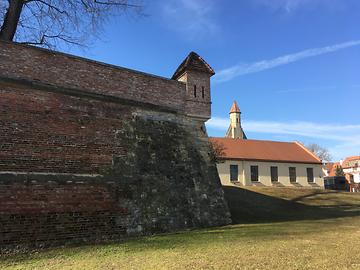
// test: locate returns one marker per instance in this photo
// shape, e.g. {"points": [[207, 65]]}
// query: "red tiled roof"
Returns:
{"points": [[331, 168], [234, 108], [292, 152], [348, 159]]}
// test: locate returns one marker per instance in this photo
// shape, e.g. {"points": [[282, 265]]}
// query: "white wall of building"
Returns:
{"points": [[244, 175], [355, 172]]}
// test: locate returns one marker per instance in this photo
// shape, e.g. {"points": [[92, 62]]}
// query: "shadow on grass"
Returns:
{"points": [[181, 241], [253, 213], [247, 206]]}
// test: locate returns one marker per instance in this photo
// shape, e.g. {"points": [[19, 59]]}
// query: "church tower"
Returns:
{"points": [[196, 73], [235, 130]]}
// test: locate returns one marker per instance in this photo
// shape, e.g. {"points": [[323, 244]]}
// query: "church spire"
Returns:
{"points": [[235, 108], [235, 130]]}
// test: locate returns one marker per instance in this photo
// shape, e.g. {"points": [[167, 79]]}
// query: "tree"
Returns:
{"points": [[339, 171], [216, 152], [48, 22], [319, 151]]}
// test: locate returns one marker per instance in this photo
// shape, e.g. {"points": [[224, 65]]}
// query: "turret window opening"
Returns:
{"points": [[194, 90], [203, 92]]}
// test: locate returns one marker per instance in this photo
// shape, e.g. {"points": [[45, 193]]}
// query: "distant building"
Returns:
{"points": [[351, 170], [333, 180], [329, 169], [269, 163]]}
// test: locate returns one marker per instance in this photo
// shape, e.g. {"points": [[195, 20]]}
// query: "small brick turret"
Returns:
{"points": [[196, 73]]}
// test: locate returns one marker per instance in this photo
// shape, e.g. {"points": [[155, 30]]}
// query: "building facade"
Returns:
{"points": [[351, 168], [268, 163], [257, 162]]}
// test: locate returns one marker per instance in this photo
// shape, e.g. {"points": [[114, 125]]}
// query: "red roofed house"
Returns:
{"points": [[351, 168], [253, 162], [329, 169]]}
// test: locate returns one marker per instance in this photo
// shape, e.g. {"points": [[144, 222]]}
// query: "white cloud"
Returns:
{"points": [[345, 138], [290, 6], [317, 89], [193, 18], [242, 69]]}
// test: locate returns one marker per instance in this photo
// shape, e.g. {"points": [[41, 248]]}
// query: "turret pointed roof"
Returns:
{"points": [[234, 108], [193, 62]]}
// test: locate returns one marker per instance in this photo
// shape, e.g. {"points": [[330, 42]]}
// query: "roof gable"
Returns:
{"points": [[193, 62]]}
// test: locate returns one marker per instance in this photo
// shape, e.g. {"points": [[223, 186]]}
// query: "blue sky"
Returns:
{"points": [[292, 65]]}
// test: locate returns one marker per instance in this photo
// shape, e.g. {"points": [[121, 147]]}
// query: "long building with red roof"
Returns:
{"points": [[258, 162]]}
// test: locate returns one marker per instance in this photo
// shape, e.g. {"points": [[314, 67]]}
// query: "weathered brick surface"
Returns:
{"points": [[40, 210], [49, 132], [163, 182], [34, 64], [65, 121], [199, 105]]}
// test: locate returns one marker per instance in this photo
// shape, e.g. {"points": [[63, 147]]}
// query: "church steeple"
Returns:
{"points": [[235, 108], [235, 130]]}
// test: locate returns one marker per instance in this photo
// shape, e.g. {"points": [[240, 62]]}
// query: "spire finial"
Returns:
{"points": [[234, 108]]}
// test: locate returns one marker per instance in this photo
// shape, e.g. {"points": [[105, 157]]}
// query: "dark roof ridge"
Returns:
{"points": [[189, 63], [252, 140]]}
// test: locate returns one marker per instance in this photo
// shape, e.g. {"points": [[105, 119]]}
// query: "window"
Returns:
{"points": [[310, 175], [292, 174], [274, 173], [203, 92], [194, 90], [234, 172], [254, 170]]}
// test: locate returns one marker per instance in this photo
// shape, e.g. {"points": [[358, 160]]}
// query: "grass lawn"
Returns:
{"points": [[278, 228]]}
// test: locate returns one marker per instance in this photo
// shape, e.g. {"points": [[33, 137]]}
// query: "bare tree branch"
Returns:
{"points": [[50, 22], [320, 151], [217, 151]]}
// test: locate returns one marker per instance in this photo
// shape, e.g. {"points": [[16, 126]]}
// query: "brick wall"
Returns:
{"points": [[66, 121], [49, 132], [48, 210], [163, 182], [199, 105], [62, 70]]}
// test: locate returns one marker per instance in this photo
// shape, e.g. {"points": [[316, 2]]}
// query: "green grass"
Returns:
{"points": [[283, 229]]}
